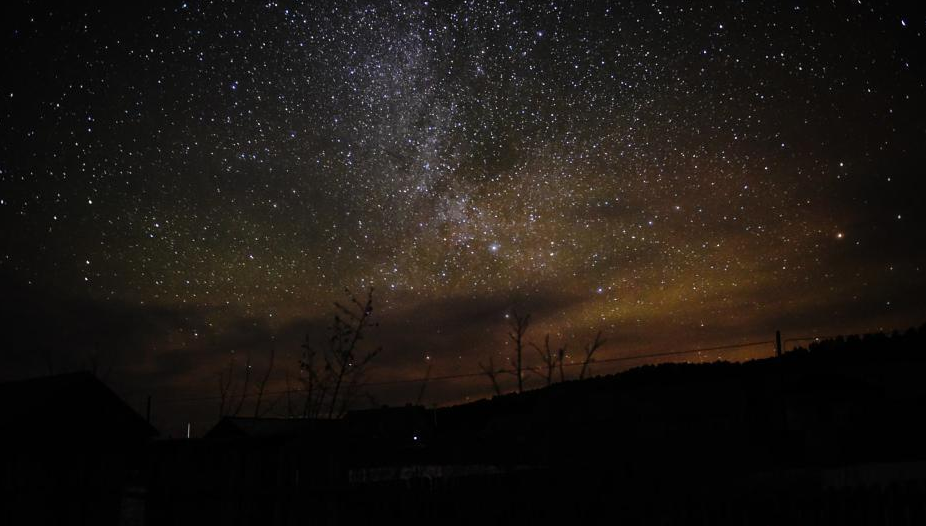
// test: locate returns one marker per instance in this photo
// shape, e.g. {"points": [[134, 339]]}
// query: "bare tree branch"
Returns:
{"points": [[589, 352], [225, 384], [270, 406], [331, 375], [492, 373], [518, 328], [244, 388], [550, 359], [263, 383], [290, 410]]}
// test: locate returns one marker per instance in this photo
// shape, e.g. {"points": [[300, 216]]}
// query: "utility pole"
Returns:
{"points": [[778, 344]]}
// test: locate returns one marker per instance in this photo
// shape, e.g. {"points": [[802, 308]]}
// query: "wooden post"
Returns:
{"points": [[778, 344]]}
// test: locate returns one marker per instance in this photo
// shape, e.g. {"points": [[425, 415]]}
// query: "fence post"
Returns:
{"points": [[778, 344]]}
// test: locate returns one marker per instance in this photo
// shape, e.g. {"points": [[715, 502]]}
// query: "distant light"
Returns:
{"points": [[415, 438], [839, 235]]}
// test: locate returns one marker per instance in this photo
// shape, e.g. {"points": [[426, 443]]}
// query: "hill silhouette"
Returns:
{"points": [[830, 434], [838, 401]]}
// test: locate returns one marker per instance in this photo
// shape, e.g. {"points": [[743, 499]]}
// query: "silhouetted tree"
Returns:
{"points": [[231, 400], [244, 389], [589, 352], [290, 407], [262, 386], [332, 374], [314, 381], [226, 379], [517, 329], [550, 358], [492, 373]]}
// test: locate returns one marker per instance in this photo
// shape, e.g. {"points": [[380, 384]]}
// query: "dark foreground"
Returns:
{"points": [[831, 435]]}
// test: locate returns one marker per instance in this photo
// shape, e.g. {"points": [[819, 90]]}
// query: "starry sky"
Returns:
{"points": [[188, 181]]}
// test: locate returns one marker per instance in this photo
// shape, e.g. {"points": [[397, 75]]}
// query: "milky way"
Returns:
{"points": [[184, 181]]}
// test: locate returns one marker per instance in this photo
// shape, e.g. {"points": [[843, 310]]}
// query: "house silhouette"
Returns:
{"points": [[74, 451]]}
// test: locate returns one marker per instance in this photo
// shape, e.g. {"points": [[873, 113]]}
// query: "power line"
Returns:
{"points": [[572, 364], [500, 371]]}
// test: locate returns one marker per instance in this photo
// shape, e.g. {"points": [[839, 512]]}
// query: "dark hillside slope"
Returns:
{"points": [[841, 401]]}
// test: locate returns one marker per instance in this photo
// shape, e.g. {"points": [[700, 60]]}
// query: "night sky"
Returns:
{"points": [[186, 182]]}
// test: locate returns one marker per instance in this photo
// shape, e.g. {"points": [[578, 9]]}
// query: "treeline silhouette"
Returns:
{"points": [[838, 401], [763, 442], [828, 434]]}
